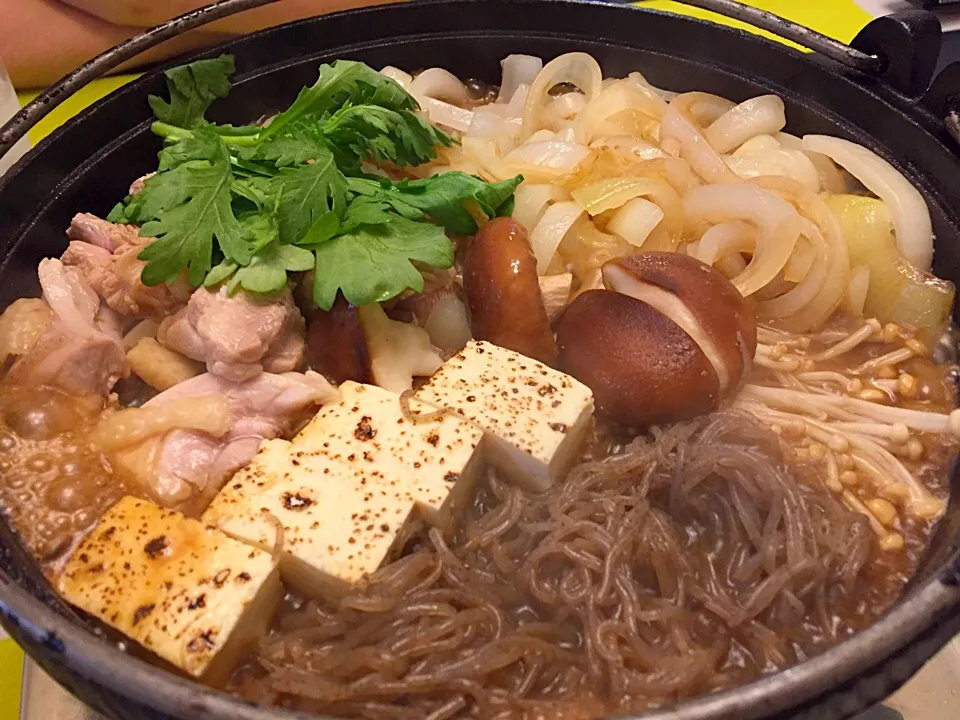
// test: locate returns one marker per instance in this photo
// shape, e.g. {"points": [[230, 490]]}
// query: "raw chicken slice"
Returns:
{"points": [[189, 466], [81, 351], [238, 336], [106, 253]]}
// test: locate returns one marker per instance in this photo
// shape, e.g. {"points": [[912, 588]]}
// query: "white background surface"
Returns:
{"points": [[950, 19]]}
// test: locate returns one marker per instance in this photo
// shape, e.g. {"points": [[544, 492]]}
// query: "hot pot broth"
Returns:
{"points": [[766, 465]]}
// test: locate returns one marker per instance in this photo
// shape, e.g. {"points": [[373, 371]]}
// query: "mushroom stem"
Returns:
{"points": [[894, 357], [869, 329], [835, 405]]}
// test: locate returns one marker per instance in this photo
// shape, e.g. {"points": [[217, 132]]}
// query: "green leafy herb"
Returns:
{"points": [[372, 263], [441, 198], [186, 209], [193, 88], [309, 191], [244, 206], [267, 271], [342, 82]]}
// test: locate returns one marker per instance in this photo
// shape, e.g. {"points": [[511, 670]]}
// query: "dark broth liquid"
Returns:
{"points": [[54, 486]]}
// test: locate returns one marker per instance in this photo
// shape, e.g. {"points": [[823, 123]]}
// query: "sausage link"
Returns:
{"points": [[503, 291]]}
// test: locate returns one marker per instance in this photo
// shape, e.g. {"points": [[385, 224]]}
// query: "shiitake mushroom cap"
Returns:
{"points": [[643, 368], [698, 298]]}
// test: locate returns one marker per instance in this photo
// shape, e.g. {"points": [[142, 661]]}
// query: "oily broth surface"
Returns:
{"points": [[303, 628], [54, 486]]}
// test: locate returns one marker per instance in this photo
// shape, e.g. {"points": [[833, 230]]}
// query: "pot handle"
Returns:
{"points": [[903, 47], [867, 62], [50, 98]]}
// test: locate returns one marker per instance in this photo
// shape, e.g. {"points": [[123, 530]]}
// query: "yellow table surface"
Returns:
{"points": [[840, 19]]}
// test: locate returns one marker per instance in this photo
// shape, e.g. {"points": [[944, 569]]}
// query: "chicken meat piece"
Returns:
{"points": [[188, 466], [88, 228], [107, 253], [137, 185], [238, 336], [81, 352]]}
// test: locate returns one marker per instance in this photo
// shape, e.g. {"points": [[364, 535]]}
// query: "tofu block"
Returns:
{"points": [[341, 521], [535, 417], [185, 592], [436, 460]]}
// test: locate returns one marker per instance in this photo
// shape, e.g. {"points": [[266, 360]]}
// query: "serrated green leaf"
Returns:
{"points": [[193, 88], [309, 191], [295, 259], [267, 272], [372, 263], [220, 273], [440, 198], [341, 82], [297, 146], [322, 230], [186, 209], [383, 135]]}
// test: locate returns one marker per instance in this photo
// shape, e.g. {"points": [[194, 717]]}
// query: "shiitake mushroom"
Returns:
{"points": [[668, 340]]}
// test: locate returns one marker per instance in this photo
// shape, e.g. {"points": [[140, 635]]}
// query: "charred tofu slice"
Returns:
{"points": [[435, 458], [186, 592], [535, 417], [335, 521]]}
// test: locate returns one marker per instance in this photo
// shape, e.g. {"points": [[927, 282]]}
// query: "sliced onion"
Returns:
{"points": [[758, 143], [446, 114], [635, 220], [517, 70], [143, 329], [831, 179], [725, 239], [856, 296], [830, 293], [630, 147], [563, 109], [594, 120], [514, 109], [401, 78], [486, 124], [679, 124], [762, 115], [447, 324], [911, 218], [548, 234], [440, 84], [799, 264], [209, 414], [793, 164], [577, 68], [606, 195], [531, 201], [483, 154], [810, 283], [707, 108], [777, 220], [654, 103], [546, 159]]}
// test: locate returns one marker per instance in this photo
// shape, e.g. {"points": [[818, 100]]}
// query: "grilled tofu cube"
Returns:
{"points": [[435, 459], [340, 520], [185, 592], [535, 417]]}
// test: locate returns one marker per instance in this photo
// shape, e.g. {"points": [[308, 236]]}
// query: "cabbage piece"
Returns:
{"points": [[898, 291]]}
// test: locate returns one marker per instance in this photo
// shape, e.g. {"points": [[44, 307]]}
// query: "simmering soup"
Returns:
{"points": [[427, 399]]}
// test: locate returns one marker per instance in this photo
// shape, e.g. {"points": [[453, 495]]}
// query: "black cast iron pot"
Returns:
{"points": [[879, 94]]}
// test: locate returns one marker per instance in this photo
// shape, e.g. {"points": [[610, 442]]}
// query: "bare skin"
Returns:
{"points": [[42, 40]]}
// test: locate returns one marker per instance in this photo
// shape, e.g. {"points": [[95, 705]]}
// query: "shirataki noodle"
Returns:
{"points": [[692, 559]]}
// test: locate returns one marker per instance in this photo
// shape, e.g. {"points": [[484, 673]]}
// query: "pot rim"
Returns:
{"points": [[91, 657]]}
